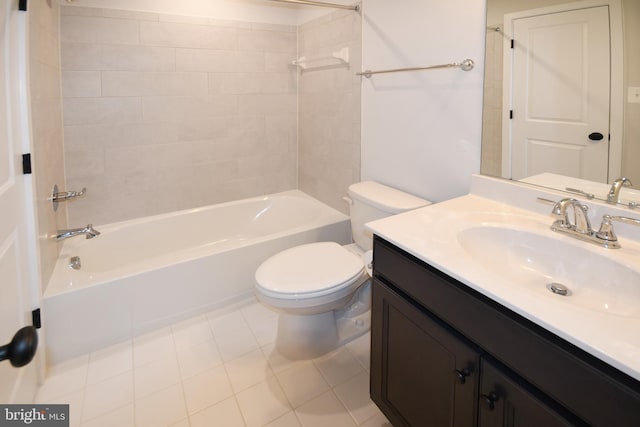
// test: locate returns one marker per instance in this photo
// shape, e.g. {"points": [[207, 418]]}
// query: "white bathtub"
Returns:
{"points": [[142, 274]]}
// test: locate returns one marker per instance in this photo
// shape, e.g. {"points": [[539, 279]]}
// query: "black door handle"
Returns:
{"points": [[22, 347], [596, 136]]}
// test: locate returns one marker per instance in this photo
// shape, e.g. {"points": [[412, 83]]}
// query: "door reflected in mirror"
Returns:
{"points": [[558, 99]]}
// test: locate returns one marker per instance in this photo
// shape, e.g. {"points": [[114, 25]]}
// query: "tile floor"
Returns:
{"points": [[215, 370]]}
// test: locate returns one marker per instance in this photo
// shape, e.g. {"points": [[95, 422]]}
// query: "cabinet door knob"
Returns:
{"points": [[491, 399], [462, 374]]}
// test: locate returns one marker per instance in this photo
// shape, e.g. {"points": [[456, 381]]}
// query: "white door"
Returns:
{"points": [[560, 94], [17, 385]]}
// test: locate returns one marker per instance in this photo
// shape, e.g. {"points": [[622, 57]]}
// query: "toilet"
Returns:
{"points": [[322, 290]]}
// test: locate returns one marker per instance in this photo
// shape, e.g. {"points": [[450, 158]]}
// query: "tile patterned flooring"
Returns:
{"points": [[215, 370]]}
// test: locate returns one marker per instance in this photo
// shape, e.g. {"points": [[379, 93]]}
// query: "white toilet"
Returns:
{"points": [[322, 290]]}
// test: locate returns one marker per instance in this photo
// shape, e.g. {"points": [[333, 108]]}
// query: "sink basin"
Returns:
{"points": [[531, 261]]}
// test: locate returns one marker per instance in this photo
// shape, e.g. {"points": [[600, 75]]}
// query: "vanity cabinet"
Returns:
{"points": [[426, 376], [443, 354], [505, 401]]}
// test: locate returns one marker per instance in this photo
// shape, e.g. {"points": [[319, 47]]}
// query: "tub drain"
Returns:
{"points": [[559, 289]]}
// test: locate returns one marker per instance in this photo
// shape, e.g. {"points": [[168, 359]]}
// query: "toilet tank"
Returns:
{"points": [[370, 201]]}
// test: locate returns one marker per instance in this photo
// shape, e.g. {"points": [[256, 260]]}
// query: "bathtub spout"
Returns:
{"points": [[88, 231]]}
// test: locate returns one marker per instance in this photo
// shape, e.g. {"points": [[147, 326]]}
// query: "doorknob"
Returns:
{"points": [[596, 136], [22, 347]]}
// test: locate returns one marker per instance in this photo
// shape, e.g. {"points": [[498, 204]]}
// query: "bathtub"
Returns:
{"points": [[146, 273]]}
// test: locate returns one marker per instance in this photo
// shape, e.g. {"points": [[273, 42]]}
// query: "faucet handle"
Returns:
{"points": [[560, 211], [606, 232]]}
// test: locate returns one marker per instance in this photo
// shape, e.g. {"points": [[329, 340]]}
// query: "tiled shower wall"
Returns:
{"points": [[329, 108], [166, 112], [46, 119]]}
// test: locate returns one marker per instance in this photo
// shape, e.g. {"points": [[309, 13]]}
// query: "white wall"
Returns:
{"points": [[422, 130]]}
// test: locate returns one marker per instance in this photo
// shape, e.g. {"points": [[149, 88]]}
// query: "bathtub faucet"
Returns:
{"points": [[88, 231]]}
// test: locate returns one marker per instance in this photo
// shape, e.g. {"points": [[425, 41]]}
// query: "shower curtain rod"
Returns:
{"points": [[321, 4]]}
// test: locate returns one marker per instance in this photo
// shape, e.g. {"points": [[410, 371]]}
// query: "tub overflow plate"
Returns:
{"points": [[75, 263]]}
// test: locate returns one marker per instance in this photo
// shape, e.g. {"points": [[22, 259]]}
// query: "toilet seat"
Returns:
{"points": [[309, 271]]}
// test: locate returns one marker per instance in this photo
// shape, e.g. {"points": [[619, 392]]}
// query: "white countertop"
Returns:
{"points": [[431, 234]]}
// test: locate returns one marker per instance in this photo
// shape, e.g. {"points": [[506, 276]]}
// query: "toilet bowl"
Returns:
{"points": [[322, 290], [309, 299]]}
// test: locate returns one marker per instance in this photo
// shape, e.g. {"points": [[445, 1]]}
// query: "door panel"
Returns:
{"points": [[17, 385], [560, 86], [506, 403], [422, 375]]}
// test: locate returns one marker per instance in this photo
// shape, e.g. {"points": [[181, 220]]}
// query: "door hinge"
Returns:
{"points": [[22, 5], [512, 43], [35, 317], [510, 114], [26, 163]]}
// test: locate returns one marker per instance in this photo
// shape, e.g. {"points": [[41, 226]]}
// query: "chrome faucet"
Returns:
{"points": [[88, 231], [580, 223], [580, 226], [614, 191]]}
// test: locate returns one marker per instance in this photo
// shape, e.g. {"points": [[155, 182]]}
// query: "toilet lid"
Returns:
{"points": [[316, 268]]}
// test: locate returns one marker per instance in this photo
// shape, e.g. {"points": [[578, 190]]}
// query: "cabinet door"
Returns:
{"points": [[421, 374], [505, 402]]}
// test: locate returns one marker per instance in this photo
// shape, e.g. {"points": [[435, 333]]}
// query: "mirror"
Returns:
{"points": [[549, 168]]}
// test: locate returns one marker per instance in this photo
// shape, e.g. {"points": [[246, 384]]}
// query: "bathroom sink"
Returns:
{"points": [[535, 262]]}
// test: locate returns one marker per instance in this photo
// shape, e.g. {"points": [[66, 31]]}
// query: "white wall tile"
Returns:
{"points": [[267, 103], [206, 60], [135, 83], [280, 63], [89, 29], [137, 58], [81, 56], [80, 11], [180, 108], [243, 83], [234, 135], [47, 127], [101, 110], [81, 84], [130, 14], [329, 110], [187, 35], [267, 41]]}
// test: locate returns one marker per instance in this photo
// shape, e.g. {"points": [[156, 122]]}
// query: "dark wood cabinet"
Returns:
{"points": [[505, 402], [426, 375], [444, 355]]}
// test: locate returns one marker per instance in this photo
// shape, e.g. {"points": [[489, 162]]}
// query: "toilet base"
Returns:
{"points": [[306, 336]]}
